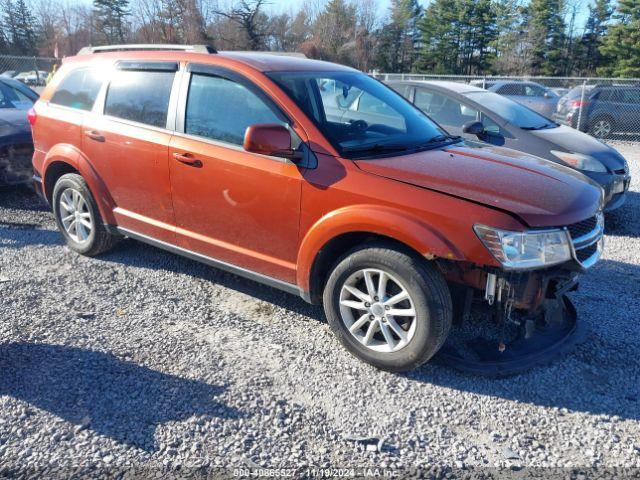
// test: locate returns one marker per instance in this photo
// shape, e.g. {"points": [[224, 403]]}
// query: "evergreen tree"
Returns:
{"points": [[20, 29], [546, 37], [334, 28], [621, 45], [457, 36], [440, 38], [110, 19], [400, 37], [509, 46], [594, 32]]}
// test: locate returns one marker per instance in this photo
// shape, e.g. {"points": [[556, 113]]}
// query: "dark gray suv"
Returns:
{"points": [[602, 110]]}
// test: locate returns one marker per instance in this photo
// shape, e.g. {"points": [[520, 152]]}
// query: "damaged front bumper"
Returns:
{"points": [[507, 321], [519, 320]]}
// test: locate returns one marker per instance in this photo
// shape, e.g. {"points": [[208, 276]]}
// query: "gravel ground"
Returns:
{"points": [[142, 359]]}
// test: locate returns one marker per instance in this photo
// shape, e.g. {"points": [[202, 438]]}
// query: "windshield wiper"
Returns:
{"points": [[376, 147], [541, 127], [439, 139]]}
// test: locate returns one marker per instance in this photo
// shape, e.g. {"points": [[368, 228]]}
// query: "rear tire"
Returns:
{"points": [[601, 127], [385, 327], [78, 217]]}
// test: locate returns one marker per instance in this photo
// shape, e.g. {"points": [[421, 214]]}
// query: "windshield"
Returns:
{"points": [[359, 115], [511, 111]]}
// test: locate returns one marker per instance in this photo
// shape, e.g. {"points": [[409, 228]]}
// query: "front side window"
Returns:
{"points": [[221, 109], [78, 89], [534, 91], [357, 114], [140, 96], [444, 109]]}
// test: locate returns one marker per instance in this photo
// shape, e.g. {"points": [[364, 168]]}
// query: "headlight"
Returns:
{"points": [[579, 161], [530, 249]]}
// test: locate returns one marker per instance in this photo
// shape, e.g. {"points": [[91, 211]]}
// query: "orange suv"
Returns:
{"points": [[313, 178]]}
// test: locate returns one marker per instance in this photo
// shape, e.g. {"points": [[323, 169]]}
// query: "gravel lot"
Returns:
{"points": [[143, 359]]}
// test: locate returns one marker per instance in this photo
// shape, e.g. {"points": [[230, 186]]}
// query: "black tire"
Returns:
{"points": [[428, 292], [99, 239]]}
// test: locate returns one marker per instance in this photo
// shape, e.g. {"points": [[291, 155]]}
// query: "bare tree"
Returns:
{"points": [[247, 14]]}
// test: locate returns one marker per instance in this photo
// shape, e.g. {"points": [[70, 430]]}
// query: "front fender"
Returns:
{"points": [[72, 156], [375, 219]]}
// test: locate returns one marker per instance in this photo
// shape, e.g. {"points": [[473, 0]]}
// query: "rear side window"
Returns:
{"points": [[78, 89], [221, 109], [511, 89], [140, 96], [631, 96]]}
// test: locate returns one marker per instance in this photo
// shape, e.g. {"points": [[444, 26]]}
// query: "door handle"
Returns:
{"points": [[93, 135], [187, 159]]}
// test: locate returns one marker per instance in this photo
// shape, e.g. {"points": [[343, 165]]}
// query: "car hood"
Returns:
{"points": [[572, 140], [540, 192]]}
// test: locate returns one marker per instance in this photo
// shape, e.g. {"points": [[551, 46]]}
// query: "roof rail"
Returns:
{"points": [[157, 46], [267, 52]]}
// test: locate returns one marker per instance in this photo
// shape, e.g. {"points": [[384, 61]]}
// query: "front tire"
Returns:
{"points": [[387, 307], [78, 217]]}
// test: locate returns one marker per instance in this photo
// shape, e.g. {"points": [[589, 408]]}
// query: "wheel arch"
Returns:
{"points": [[63, 159], [338, 232]]}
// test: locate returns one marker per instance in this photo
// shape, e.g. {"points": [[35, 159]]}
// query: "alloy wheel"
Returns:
{"points": [[75, 215], [602, 128], [377, 310]]}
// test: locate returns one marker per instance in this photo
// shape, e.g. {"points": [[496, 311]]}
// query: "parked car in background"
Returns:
{"points": [[349, 197], [9, 73], [601, 110], [478, 114], [34, 78], [560, 91], [16, 144], [530, 94]]}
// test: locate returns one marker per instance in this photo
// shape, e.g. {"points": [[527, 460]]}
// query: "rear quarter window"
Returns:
{"points": [[140, 96], [78, 89]]}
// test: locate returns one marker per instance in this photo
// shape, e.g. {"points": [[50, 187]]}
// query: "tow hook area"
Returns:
{"points": [[519, 321]]}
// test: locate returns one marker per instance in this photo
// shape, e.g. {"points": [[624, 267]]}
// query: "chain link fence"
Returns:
{"points": [[606, 108], [32, 71]]}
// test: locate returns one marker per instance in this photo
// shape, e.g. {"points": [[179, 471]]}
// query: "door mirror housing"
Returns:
{"points": [[473, 128], [270, 139]]}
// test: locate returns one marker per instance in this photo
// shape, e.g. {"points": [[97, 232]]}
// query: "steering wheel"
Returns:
{"points": [[358, 126]]}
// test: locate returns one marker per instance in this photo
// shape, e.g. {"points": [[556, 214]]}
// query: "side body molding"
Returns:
{"points": [[375, 219], [70, 155]]}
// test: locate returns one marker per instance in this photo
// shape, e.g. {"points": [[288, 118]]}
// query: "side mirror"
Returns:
{"points": [[473, 128], [270, 139]]}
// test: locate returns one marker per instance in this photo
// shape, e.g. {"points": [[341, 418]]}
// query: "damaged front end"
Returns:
{"points": [[15, 163], [507, 320]]}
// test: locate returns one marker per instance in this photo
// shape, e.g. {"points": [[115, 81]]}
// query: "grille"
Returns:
{"points": [[582, 228], [620, 171], [586, 252]]}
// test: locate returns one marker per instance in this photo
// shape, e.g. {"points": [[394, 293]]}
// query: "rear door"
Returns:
{"points": [[629, 116], [233, 206], [127, 141]]}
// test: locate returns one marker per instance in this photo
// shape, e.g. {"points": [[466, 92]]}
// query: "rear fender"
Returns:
{"points": [[70, 155], [375, 219]]}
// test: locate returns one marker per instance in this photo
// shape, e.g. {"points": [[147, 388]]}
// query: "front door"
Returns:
{"points": [[234, 206], [128, 145]]}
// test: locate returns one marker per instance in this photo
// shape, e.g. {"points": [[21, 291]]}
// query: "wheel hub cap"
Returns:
{"points": [[377, 310], [75, 215]]}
